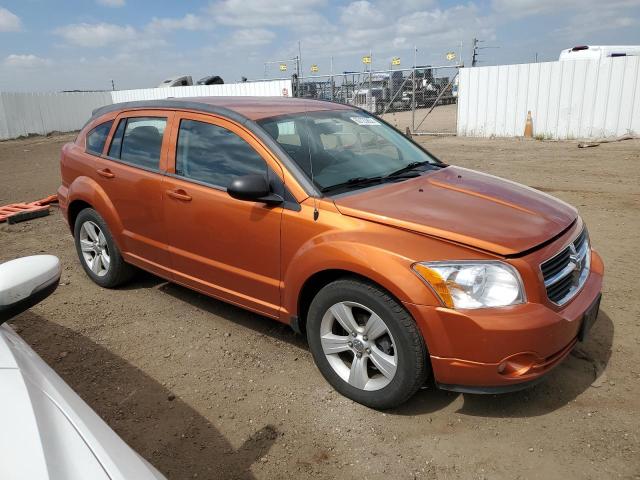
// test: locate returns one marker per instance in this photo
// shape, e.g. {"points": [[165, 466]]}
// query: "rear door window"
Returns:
{"points": [[97, 137], [138, 140], [214, 155]]}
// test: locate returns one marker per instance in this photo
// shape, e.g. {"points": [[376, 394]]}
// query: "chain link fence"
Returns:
{"points": [[422, 99]]}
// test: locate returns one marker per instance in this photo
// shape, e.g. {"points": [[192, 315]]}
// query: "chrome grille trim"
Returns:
{"points": [[566, 272]]}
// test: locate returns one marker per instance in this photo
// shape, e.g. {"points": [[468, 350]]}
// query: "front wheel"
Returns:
{"points": [[366, 344]]}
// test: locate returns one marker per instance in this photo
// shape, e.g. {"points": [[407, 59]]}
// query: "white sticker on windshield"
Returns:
{"points": [[365, 121]]}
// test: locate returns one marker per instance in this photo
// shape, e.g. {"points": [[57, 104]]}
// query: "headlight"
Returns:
{"points": [[473, 284]]}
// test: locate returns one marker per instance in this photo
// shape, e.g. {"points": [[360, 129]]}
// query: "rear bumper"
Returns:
{"points": [[503, 349]]}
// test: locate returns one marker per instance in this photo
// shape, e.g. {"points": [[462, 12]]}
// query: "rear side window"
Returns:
{"points": [[138, 140], [97, 137], [214, 155]]}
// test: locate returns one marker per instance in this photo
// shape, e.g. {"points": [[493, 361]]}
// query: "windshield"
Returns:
{"points": [[344, 146]]}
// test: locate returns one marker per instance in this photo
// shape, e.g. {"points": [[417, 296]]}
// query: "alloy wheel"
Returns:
{"points": [[358, 345], [95, 251]]}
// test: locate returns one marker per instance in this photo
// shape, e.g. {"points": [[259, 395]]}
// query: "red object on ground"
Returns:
{"points": [[18, 208], [46, 200]]}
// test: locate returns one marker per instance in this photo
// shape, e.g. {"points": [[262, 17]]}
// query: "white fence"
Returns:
{"points": [[569, 99], [273, 88], [42, 113]]}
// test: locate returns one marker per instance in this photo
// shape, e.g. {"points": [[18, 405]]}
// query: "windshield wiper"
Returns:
{"points": [[352, 182], [409, 167], [362, 181]]}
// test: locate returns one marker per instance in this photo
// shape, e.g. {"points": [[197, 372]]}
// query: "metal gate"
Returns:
{"points": [[421, 99]]}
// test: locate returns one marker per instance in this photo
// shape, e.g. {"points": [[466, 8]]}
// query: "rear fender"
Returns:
{"points": [[88, 190]]}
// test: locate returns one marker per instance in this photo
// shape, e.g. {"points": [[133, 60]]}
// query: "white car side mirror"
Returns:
{"points": [[26, 281]]}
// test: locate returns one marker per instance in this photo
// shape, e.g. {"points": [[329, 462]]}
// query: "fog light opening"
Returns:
{"points": [[518, 365]]}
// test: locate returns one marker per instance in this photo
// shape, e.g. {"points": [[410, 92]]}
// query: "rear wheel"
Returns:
{"points": [[98, 253], [366, 344]]}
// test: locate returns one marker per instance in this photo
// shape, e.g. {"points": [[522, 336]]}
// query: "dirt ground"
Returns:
{"points": [[205, 390], [441, 119]]}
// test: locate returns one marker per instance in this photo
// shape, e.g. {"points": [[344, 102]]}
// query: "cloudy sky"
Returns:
{"points": [[84, 44]]}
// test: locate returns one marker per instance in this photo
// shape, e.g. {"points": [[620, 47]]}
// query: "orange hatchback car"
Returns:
{"points": [[396, 266]]}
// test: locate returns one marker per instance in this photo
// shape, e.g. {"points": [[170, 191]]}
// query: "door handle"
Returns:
{"points": [[179, 195], [106, 173]]}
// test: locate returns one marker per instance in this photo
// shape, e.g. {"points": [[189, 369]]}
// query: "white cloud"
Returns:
{"points": [[112, 3], [96, 35], [25, 61], [9, 22], [589, 22], [524, 8], [251, 37], [261, 13], [188, 22], [362, 14], [364, 24]]}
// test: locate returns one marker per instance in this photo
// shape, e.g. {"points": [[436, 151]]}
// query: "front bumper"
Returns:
{"points": [[495, 350]]}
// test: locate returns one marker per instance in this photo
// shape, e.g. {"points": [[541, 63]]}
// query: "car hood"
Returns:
{"points": [[48, 432], [465, 206]]}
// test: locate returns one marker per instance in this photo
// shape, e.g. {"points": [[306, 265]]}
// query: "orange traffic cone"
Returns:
{"points": [[528, 126]]}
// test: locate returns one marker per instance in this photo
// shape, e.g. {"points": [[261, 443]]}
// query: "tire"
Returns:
{"points": [[386, 383], [107, 269]]}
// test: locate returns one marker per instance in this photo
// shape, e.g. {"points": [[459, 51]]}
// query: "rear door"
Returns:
{"points": [[219, 245], [131, 172]]}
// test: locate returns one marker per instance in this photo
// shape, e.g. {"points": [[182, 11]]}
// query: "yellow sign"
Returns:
{"points": [[314, 68], [283, 67], [395, 61], [451, 56], [366, 59]]}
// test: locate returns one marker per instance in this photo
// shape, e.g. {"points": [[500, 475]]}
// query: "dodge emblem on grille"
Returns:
{"points": [[577, 263]]}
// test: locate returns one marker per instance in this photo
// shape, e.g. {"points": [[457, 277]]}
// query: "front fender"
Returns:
{"points": [[87, 190], [386, 268]]}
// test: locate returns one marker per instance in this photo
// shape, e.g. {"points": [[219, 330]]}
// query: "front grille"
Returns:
{"points": [[565, 273]]}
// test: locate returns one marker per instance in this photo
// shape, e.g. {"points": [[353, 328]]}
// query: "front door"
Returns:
{"points": [[221, 246]]}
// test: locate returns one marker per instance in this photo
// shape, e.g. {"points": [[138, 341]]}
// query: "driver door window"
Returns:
{"points": [[214, 155]]}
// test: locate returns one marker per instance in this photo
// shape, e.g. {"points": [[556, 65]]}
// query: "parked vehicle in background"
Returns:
{"points": [[211, 80], [377, 91], [48, 432], [596, 52], [398, 267], [181, 81], [426, 88]]}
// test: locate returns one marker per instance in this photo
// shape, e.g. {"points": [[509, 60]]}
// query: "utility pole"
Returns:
{"points": [[299, 59], [476, 48], [474, 56]]}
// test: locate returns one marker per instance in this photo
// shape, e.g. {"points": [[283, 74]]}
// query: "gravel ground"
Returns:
{"points": [[206, 390]]}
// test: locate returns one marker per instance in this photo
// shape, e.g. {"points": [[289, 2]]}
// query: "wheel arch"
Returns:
{"points": [[321, 279], [74, 209], [85, 192]]}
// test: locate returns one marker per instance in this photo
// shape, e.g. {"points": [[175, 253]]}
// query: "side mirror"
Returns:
{"points": [[253, 188], [25, 282]]}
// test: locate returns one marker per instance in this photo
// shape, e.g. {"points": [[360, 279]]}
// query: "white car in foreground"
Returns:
{"points": [[46, 429]]}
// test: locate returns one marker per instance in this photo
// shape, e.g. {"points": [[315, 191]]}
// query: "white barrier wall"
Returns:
{"points": [[567, 100], [42, 113], [274, 88]]}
